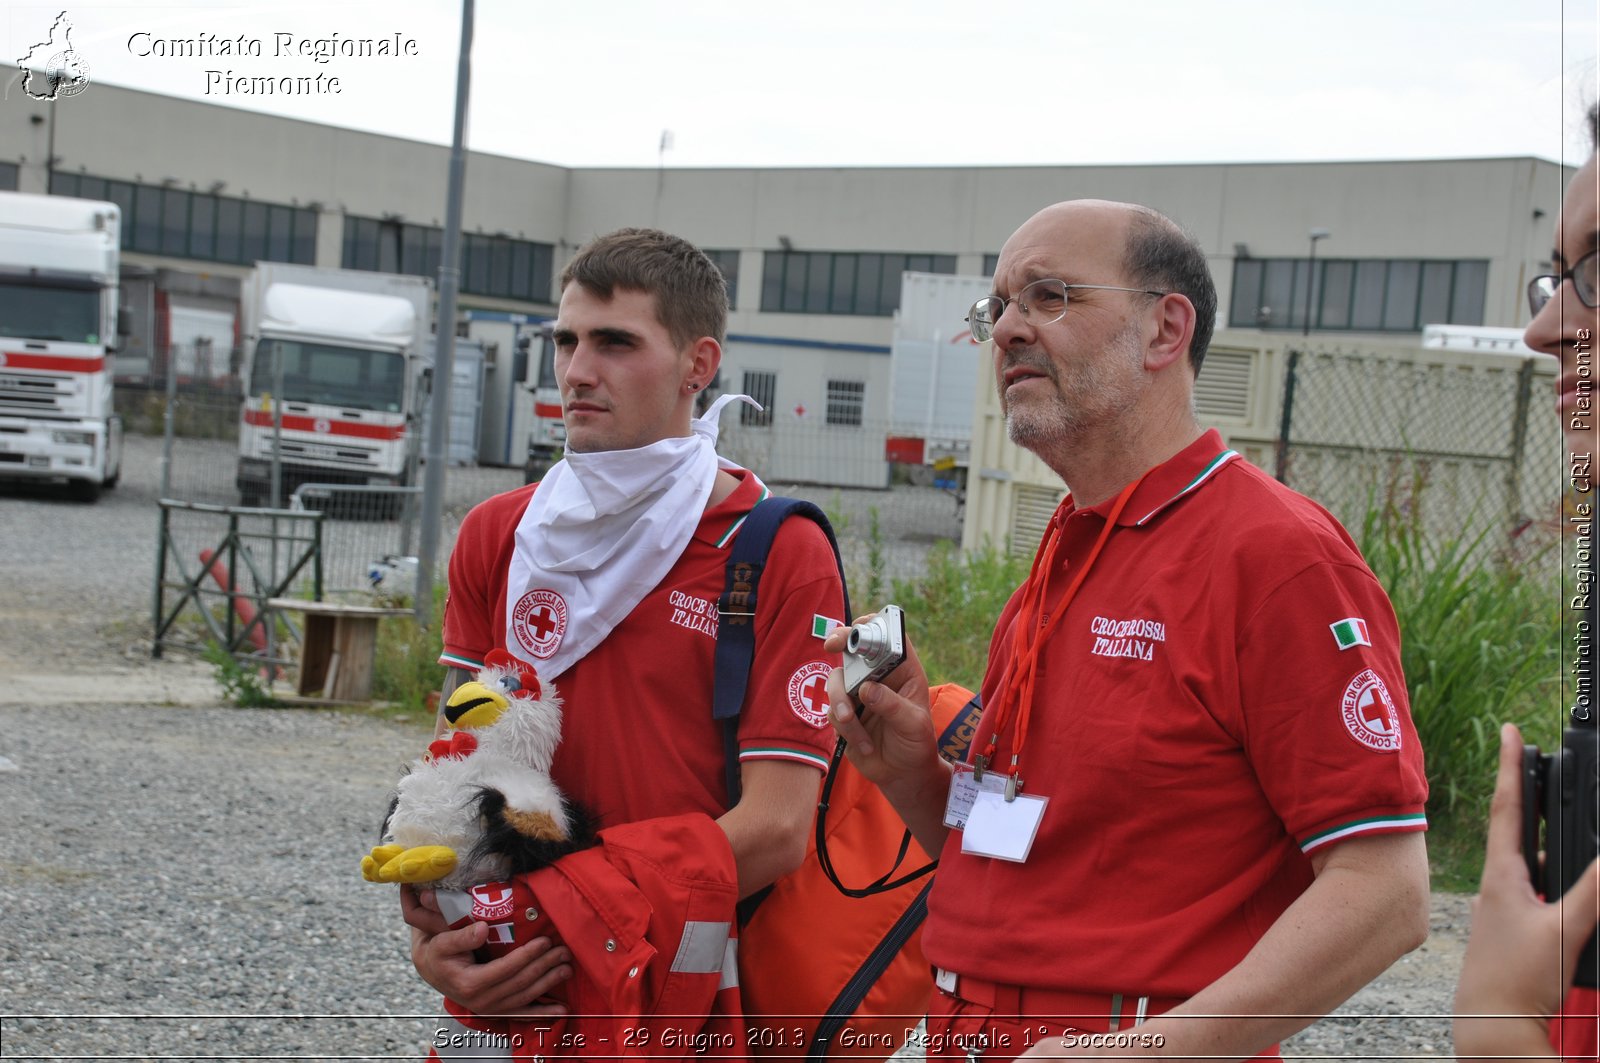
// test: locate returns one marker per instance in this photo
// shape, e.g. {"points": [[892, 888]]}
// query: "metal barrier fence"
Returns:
{"points": [[218, 565]]}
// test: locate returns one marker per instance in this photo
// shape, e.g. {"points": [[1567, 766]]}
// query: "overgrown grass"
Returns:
{"points": [[951, 610], [1480, 645], [405, 666], [242, 686]]}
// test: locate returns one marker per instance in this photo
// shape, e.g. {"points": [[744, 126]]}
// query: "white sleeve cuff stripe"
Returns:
{"points": [[803, 756], [1412, 821]]}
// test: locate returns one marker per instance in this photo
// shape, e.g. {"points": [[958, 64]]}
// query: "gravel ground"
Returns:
{"points": [[182, 877]]}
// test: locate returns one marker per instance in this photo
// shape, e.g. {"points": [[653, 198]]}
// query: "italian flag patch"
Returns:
{"points": [[1350, 633], [821, 625]]}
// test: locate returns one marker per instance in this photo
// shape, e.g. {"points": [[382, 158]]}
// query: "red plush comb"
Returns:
{"points": [[527, 678]]}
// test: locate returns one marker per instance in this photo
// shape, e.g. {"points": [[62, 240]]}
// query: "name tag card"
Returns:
{"points": [[964, 789], [1002, 829]]}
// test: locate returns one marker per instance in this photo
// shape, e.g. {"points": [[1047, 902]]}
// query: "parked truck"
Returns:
{"points": [[547, 431], [930, 374], [185, 324], [59, 328], [522, 408], [334, 374]]}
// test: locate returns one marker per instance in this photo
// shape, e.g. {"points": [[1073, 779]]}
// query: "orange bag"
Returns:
{"points": [[825, 974], [821, 972]]}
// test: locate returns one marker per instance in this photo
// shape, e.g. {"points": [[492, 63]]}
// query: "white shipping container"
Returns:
{"points": [[931, 366]]}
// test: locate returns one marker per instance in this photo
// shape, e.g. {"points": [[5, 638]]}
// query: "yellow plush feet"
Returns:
{"points": [[395, 863]]}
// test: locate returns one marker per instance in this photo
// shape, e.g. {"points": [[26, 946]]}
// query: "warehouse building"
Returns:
{"points": [[813, 256]]}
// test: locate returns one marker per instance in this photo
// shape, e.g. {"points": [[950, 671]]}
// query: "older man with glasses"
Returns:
{"points": [[1190, 821]]}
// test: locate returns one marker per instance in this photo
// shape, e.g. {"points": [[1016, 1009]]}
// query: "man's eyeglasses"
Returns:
{"points": [[1041, 303], [1583, 276]]}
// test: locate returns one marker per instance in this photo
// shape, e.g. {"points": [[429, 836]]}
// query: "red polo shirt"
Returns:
{"points": [[637, 737], [1222, 697]]}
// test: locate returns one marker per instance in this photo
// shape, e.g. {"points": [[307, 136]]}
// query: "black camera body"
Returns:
{"points": [[1563, 790]]}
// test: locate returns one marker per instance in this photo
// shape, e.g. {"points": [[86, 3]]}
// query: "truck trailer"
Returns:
{"points": [[334, 377], [59, 328], [931, 369]]}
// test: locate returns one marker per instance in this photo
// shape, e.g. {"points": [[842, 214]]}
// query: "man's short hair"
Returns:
{"points": [[1161, 255], [691, 296]]}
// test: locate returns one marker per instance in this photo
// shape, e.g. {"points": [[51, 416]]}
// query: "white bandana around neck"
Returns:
{"points": [[600, 532]]}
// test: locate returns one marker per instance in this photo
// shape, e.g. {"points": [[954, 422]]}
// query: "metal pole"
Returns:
{"points": [[168, 427], [275, 479], [1311, 276], [157, 596], [1281, 472], [1519, 445], [444, 351]]}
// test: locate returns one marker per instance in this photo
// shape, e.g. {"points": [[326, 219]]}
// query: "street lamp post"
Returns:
{"points": [[1311, 275]]}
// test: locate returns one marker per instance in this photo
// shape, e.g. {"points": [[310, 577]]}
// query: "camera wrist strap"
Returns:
{"points": [[1031, 632]]}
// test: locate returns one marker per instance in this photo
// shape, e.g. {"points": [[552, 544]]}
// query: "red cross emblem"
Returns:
{"points": [[538, 622], [491, 900], [808, 693], [1369, 713], [543, 621]]}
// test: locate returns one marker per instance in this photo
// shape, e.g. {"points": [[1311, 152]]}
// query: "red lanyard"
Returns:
{"points": [[1031, 632]]}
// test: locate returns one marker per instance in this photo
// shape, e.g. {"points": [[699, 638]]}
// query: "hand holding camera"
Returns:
{"points": [[1562, 789], [874, 648], [1521, 948]]}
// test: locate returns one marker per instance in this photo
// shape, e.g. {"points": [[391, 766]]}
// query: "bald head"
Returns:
{"points": [[1156, 253]]}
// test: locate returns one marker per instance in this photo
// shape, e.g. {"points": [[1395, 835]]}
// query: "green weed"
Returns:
{"points": [[951, 610], [240, 685], [405, 666], [1480, 645]]}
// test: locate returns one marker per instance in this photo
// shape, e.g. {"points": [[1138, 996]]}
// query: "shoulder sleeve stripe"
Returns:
{"points": [[1410, 821], [456, 660], [803, 756]]}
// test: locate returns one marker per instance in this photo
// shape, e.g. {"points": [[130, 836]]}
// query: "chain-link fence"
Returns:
{"points": [[1466, 451]]}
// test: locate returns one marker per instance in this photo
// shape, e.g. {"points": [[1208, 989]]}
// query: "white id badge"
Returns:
{"points": [[1000, 828], [964, 789]]}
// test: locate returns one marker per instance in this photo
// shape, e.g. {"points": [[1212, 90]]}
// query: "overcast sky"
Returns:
{"points": [[888, 82]]}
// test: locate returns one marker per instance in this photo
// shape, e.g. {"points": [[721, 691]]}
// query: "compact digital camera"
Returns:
{"points": [[875, 648], [1562, 789]]}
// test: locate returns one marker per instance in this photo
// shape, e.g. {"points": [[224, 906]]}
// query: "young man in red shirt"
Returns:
{"points": [[1192, 819], [606, 578]]}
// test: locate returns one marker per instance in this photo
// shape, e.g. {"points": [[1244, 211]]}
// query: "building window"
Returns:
{"points": [[840, 282], [164, 220], [1359, 295], [8, 176], [728, 263], [496, 266], [846, 398], [990, 264], [763, 387]]}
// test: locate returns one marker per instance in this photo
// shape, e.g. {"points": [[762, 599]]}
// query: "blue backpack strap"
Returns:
{"points": [[736, 621]]}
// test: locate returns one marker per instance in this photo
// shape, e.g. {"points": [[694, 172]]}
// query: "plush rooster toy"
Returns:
{"points": [[479, 806]]}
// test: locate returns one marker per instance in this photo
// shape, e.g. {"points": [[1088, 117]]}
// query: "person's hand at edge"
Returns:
{"points": [[1522, 952]]}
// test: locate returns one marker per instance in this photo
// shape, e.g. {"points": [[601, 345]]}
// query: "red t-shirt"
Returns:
{"points": [[1222, 697], [638, 740]]}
